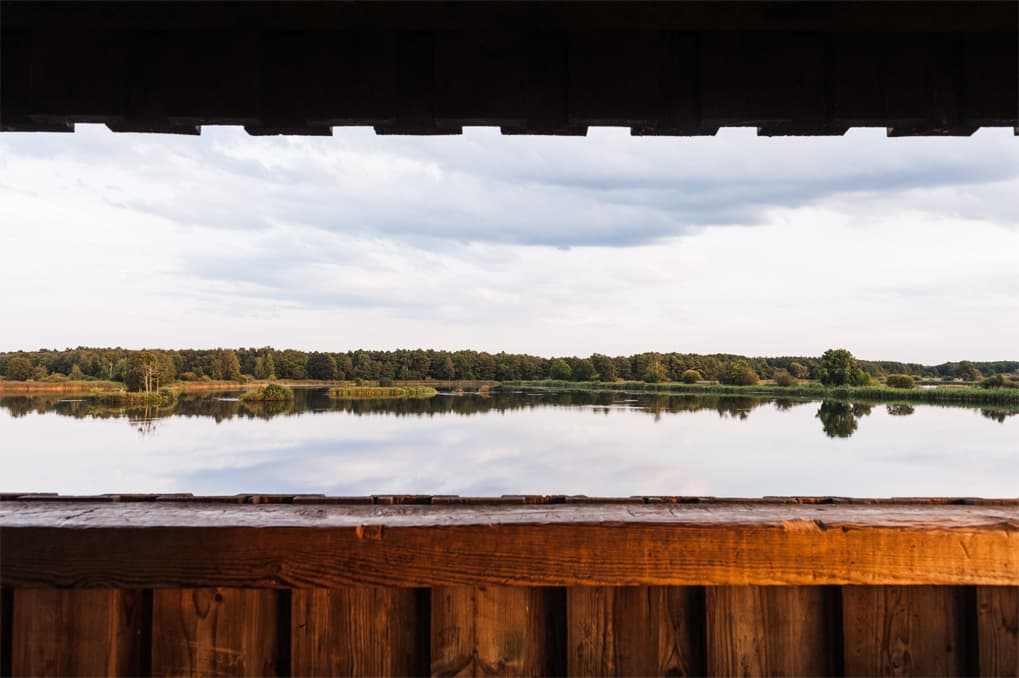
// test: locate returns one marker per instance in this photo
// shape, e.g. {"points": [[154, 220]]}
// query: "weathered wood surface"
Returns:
{"points": [[998, 630], [359, 631], [772, 631], [635, 631], [76, 633], [133, 545], [215, 632], [6, 624], [907, 631], [496, 630]]}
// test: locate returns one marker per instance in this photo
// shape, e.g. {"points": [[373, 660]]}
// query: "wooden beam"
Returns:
{"points": [[81, 544]]}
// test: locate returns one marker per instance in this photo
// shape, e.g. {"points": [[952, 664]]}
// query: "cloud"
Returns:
{"points": [[605, 190]]}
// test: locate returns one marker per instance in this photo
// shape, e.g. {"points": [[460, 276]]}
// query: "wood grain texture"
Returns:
{"points": [[636, 630], [906, 631], [771, 630], [359, 631], [214, 632], [76, 633], [329, 546], [6, 626], [998, 630], [497, 630]]}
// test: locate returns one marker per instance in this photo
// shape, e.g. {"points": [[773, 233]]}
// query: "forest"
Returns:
{"points": [[150, 368]]}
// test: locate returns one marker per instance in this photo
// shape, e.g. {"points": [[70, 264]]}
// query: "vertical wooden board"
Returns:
{"points": [[905, 630], [679, 614], [602, 622], [771, 630], [363, 631], [6, 624], [214, 632], [497, 630], [76, 632], [998, 630]]}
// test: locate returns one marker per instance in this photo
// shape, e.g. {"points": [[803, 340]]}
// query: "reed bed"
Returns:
{"points": [[878, 394], [375, 392]]}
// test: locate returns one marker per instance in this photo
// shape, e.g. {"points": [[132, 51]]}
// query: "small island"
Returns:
{"points": [[270, 393]]}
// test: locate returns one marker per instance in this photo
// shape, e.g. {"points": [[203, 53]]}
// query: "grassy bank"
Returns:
{"points": [[15, 387], [373, 392], [876, 394]]}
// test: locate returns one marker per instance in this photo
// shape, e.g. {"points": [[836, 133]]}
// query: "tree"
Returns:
{"points": [[322, 366], [967, 371], [604, 366], [997, 381], [19, 368], [799, 370], [559, 370], [838, 367], [76, 373], [738, 373], [784, 378], [583, 370], [265, 366], [143, 370], [691, 377], [654, 371]]}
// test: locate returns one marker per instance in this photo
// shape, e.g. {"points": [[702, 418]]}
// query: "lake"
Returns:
{"points": [[599, 444]]}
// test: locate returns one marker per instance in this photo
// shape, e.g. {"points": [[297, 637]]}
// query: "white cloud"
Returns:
{"points": [[896, 248]]}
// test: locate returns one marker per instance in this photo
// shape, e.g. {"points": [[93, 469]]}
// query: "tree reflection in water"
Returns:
{"points": [[840, 419]]}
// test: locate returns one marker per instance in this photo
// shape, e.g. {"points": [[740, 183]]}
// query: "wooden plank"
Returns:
{"points": [[76, 633], [214, 632], [497, 630], [772, 630], [359, 631], [6, 626], [998, 630], [130, 545], [905, 631], [635, 631]]}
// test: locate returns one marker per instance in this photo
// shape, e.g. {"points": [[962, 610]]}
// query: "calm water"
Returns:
{"points": [[595, 444]]}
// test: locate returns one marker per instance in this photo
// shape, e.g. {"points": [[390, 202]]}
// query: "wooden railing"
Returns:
{"points": [[257, 585]]}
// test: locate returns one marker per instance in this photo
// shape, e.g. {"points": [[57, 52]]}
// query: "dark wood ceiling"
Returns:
{"points": [[682, 68]]}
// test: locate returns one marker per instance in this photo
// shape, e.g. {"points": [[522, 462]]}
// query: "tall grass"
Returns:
{"points": [[364, 392], [880, 394]]}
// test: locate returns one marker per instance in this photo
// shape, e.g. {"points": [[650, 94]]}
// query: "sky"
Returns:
{"points": [[895, 248]]}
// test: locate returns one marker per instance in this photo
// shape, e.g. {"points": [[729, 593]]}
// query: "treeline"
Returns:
{"points": [[150, 368]]}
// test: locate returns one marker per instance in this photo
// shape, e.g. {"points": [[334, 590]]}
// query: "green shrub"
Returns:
{"points": [[270, 392], [900, 381], [997, 381], [691, 377], [784, 378]]}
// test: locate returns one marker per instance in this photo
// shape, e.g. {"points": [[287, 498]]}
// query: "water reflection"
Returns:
{"points": [[839, 419], [510, 442]]}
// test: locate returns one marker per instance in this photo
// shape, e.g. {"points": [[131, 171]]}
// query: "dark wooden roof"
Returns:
{"points": [[682, 68]]}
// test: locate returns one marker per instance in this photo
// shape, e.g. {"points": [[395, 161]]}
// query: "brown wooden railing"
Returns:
{"points": [[302, 585]]}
